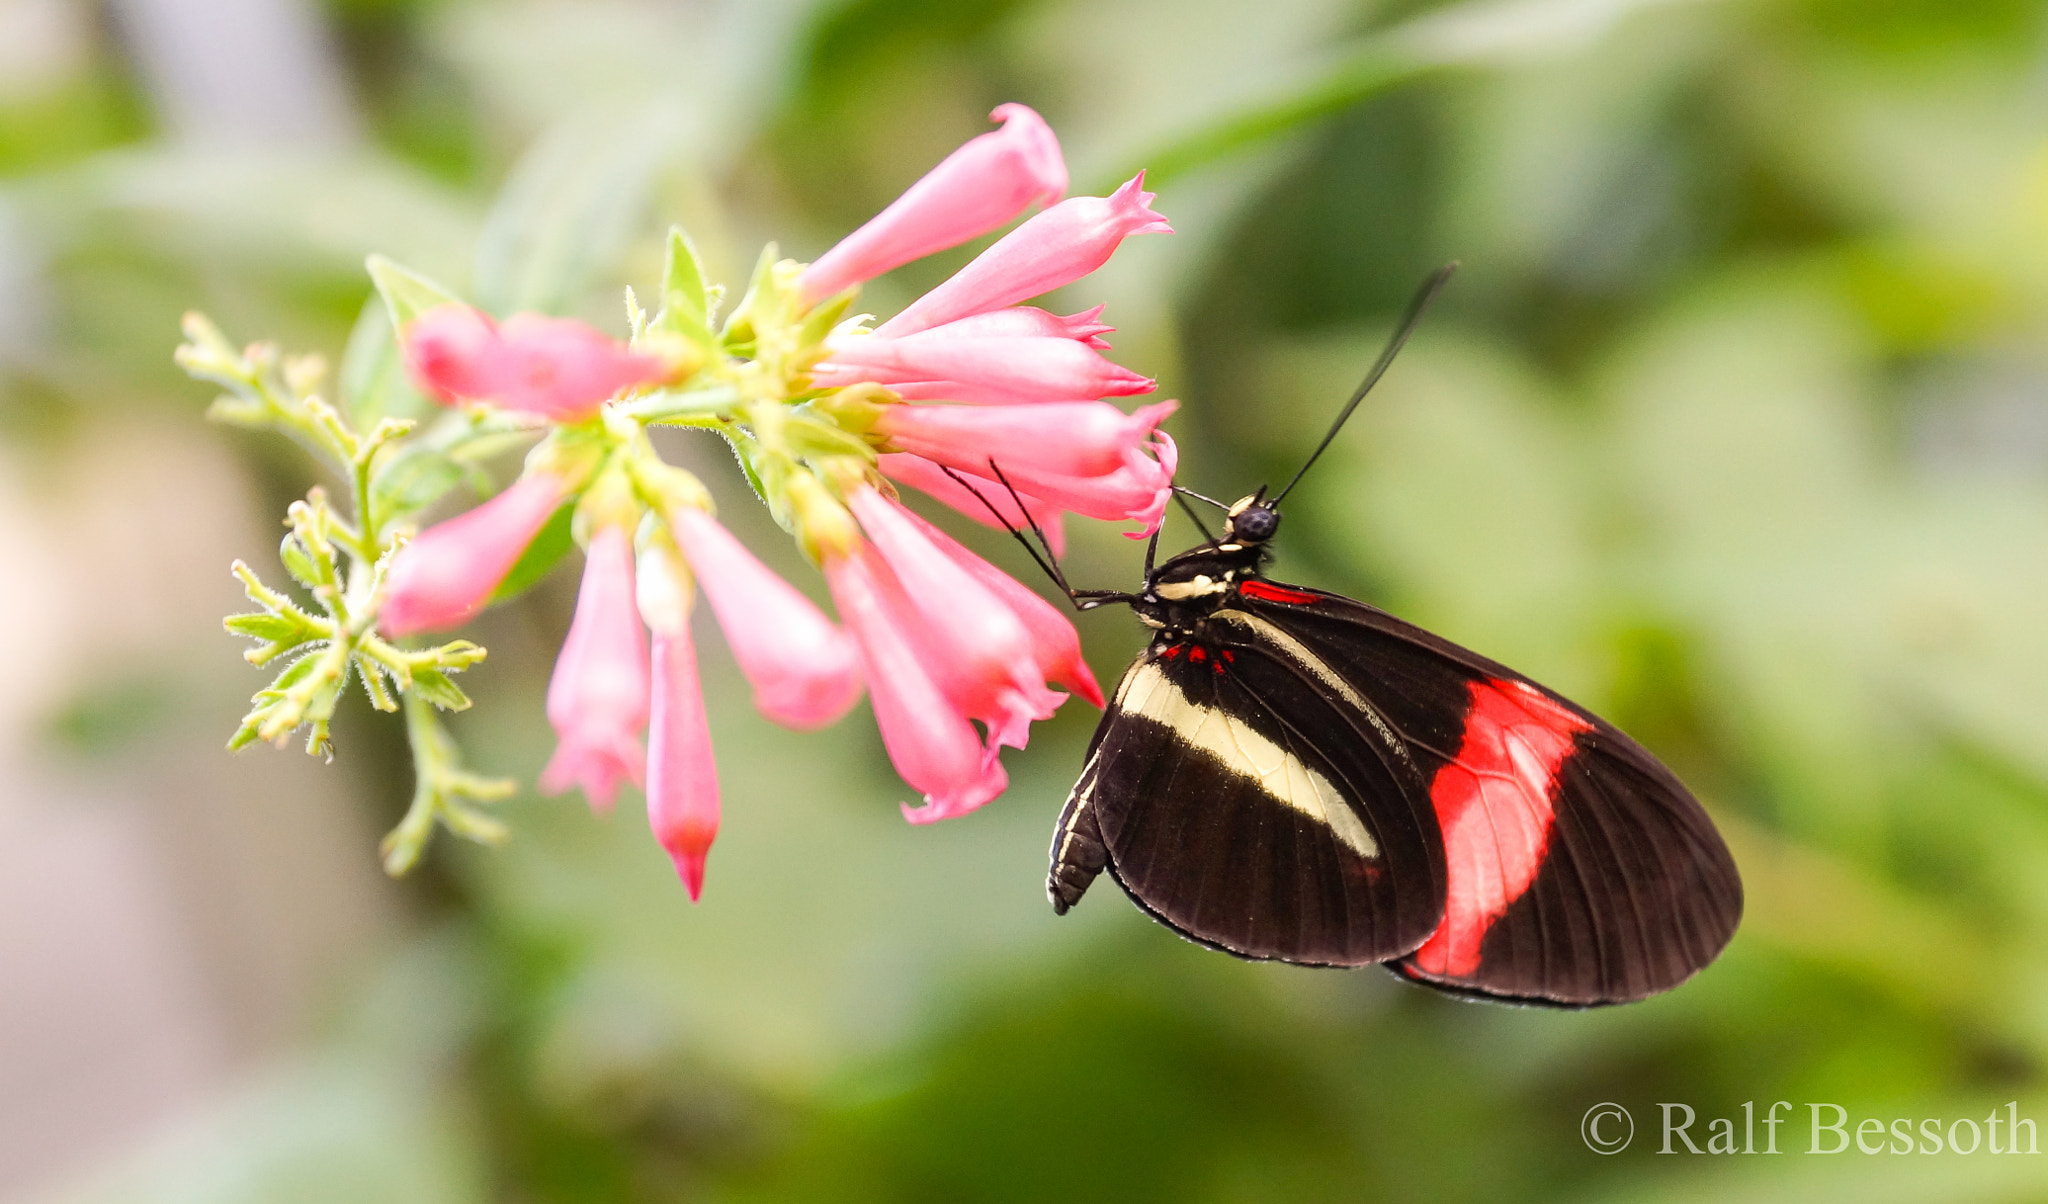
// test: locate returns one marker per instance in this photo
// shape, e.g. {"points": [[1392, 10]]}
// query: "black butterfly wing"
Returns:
{"points": [[1243, 808], [1580, 871]]}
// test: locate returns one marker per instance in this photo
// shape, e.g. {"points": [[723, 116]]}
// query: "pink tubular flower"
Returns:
{"points": [[923, 475], [450, 570], [1025, 321], [1138, 491], [973, 644], [1058, 246], [990, 370], [986, 182], [804, 670], [597, 700], [930, 741], [682, 776], [1055, 645], [1075, 438], [552, 367]]}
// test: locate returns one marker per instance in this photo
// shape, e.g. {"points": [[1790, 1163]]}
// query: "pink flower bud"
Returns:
{"points": [[552, 367], [1058, 246], [598, 697], [921, 474], [450, 570], [682, 776], [1075, 438], [975, 645], [986, 182], [1055, 645], [804, 670], [994, 371], [929, 738]]}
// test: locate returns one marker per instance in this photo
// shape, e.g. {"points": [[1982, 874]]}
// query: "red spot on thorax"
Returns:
{"points": [[1494, 802], [1198, 653], [1270, 592], [1172, 650]]}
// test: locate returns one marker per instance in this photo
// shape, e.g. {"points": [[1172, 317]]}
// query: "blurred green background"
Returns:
{"points": [[1734, 427]]}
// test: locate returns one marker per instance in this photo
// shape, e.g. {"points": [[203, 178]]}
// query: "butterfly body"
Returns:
{"points": [[1290, 774]]}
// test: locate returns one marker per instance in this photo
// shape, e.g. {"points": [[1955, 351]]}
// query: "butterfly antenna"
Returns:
{"points": [[1409, 321], [1051, 562], [1047, 563]]}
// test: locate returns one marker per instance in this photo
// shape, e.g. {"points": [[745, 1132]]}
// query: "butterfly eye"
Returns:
{"points": [[1256, 525]]}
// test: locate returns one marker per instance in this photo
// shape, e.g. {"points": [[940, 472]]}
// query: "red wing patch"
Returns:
{"points": [[1270, 592], [1493, 802]]}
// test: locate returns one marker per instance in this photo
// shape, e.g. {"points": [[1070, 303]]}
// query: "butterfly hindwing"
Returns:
{"points": [[1247, 810], [1579, 870]]}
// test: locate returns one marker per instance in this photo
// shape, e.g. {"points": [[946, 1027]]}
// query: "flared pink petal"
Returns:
{"points": [[598, 698], [1055, 645], [977, 188], [928, 738], [1138, 491], [974, 645], [1056, 247]]}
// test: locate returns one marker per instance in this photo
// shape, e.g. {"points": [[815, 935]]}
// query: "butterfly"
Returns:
{"points": [[1289, 774]]}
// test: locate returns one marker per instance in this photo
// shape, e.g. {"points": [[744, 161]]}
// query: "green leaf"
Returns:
{"points": [[739, 335], [1476, 33], [1366, 74], [546, 550], [414, 479], [406, 293], [267, 627], [570, 209], [293, 674], [682, 281], [299, 562], [434, 686], [372, 377], [271, 696], [809, 438], [820, 321]]}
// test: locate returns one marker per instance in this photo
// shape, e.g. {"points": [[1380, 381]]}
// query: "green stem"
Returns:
{"points": [[440, 785], [668, 406]]}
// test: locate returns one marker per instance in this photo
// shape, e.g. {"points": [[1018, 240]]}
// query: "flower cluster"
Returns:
{"points": [[991, 407]]}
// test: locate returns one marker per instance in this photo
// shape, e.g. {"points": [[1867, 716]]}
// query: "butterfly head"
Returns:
{"points": [[1185, 590], [1251, 521]]}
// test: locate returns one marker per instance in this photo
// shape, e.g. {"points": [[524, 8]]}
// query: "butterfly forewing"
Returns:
{"points": [[1579, 871], [1242, 806]]}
